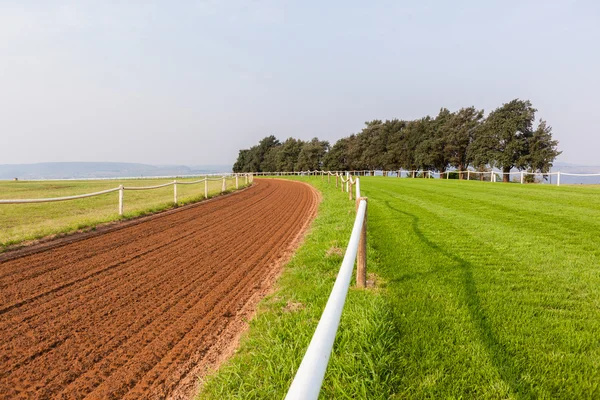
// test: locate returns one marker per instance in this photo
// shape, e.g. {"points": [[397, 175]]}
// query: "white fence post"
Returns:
{"points": [[206, 187], [347, 180], [558, 179], [468, 174], [224, 187], [349, 190], [175, 191], [522, 177], [121, 199], [237, 186]]}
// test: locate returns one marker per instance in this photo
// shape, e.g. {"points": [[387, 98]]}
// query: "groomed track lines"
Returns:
{"points": [[136, 311]]}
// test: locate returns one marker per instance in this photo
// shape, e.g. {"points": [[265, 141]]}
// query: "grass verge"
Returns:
{"points": [[23, 222]]}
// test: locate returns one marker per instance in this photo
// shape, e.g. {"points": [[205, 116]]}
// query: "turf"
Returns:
{"points": [[22, 222], [495, 287], [486, 291]]}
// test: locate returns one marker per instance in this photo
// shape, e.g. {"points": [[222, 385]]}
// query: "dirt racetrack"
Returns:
{"points": [[140, 310]]}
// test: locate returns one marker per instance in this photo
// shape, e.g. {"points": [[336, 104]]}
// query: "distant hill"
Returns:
{"points": [[83, 170], [576, 169]]}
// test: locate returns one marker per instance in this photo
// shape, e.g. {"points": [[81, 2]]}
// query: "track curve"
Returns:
{"points": [[140, 310]]}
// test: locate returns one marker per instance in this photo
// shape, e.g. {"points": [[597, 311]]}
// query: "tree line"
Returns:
{"points": [[507, 138]]}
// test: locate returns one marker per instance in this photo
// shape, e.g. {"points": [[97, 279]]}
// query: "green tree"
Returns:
{"points": [[503, 141], [288, 154], [404, 143], [312, 155], [270, 162], [461, 131], [373, 144], [338, 158], [251, 160], [241, 163], [542, 149], [423, 143], [431, 151], [393, 132]]}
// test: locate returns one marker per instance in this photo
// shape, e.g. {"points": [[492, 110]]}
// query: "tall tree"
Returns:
{"points": [[503, 141], [241, 164], [355, 149], [312, 154], [461, 131], [393, 132], [542, 149], [270, 162], [251, 160], [288, 155], [405, 144], [338, 158], [431, 151], [423, 140], [373, 143]]}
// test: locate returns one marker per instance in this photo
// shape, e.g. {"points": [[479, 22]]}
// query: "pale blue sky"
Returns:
{"points": [[192, 82]]}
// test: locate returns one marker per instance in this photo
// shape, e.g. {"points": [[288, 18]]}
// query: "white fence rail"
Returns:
{"points": [[309, 377], [248, 179]]}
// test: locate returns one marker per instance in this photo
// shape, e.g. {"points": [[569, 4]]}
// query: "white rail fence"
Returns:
{"points": [[121, 189], [493, 175], [309, 377]]}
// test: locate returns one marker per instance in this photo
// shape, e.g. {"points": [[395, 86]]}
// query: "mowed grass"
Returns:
{"points": [[495, 287], [362, 364], [21, 222], [486, 291]]}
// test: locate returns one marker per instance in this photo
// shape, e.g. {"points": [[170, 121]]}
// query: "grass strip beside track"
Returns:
{"points": [[22, 222], [362, 364], [491, 291]]}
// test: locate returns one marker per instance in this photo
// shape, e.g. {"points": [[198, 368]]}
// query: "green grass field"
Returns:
{"points": [[486, 291], [21, 222]]}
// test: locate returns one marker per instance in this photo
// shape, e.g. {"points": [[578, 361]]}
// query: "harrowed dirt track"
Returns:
{"points": [[144, 308]]}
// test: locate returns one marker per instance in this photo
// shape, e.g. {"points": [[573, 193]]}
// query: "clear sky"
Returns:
{"points": [[192, 82]]}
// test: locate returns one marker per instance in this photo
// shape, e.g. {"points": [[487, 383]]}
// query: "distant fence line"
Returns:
{"points": [[122, 178], [121, 189], [430, 174]]}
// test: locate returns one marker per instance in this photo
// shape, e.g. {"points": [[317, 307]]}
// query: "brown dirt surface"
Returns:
{"points": [[142, 309]]}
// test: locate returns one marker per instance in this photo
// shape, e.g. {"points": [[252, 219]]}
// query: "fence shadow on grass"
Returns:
{"points": [[504, 364]]}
